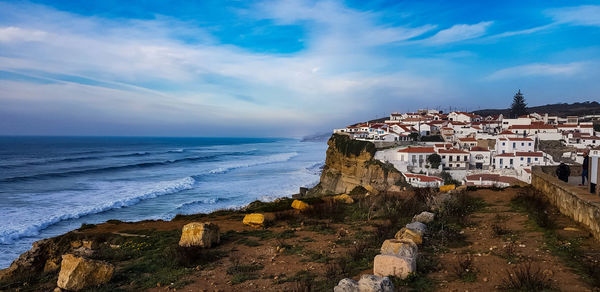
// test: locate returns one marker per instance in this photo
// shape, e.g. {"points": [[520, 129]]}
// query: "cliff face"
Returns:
{"points": [[350, 163]]}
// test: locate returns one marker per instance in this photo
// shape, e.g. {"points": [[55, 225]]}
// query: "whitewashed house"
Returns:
{"points": [[423, 181], [454, 158], [511, 145], [415, 156], [480, 158]]}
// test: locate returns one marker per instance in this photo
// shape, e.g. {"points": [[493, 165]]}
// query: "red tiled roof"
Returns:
{"points": [[467, 139], [532, 126], [451, 151], [532, 154], [417, 150], [520, 139], [506, 155], [423, 178], [506, 132], [477, 148]]}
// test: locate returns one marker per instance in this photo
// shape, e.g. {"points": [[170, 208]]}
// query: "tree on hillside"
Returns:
{"points": [[435, 160], [518, 107]]}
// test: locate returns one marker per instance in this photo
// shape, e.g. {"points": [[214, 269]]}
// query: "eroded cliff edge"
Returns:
{"points": [[351, 163]]}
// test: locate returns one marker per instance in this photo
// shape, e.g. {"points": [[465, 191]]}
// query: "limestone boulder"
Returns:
{"points": [[374, 283], [346, 285], [77, 273], [399, 248], [417, 227], [203, 234], [299, 205], [447, 188], [258, 219], [409, 235], [424, 217], [392, 265], [344, 198]]}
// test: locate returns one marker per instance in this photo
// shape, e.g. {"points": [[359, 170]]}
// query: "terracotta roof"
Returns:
{"points": [[451, 151], [477, 148], [567, 126], [423, 178], [533, 154], [506, 155], [467, 139], [507, 132], [491, 177], [417, 150], [532, 126]]}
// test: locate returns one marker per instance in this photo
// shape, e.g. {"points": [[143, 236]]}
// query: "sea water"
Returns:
{"points": [[51, 185]]}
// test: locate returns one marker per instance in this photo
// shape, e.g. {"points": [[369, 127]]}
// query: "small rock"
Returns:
{"points": [[257, 219], [418, 227], [399, 248], [346, 285], [548, 273], [299, 205], [77, 273], [409, 235], [372, 283], [424, 217], [204, 234], [485, 279], [392, 265], [344, 198]]}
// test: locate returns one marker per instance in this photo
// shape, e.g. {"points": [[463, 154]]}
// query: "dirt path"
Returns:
{"points": [[501, 238]]}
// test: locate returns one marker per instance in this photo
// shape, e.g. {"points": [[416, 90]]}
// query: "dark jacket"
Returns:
{"points": [[563, 172], [586, 162]]}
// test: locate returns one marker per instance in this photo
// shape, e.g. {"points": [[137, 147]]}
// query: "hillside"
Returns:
{"points": [[559, 109]]}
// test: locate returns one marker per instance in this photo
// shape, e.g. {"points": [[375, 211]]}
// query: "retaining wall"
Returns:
{"points": [[572, 201]]}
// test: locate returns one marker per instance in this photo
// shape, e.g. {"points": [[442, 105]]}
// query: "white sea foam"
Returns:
{"points": [[126, 197], [281, 157]]}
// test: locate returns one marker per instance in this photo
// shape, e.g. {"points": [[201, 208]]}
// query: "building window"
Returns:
{"points": [[450, 157], [529, 143], [522, 144], [466, 158], [536, 159], [511, 161], [521, 158]]}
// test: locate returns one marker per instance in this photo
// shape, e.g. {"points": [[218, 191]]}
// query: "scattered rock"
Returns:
{"points": [[77, 273], [51, 265], [392, 265], [424, 217], [372, 283], [83, 252], [346, 285], [571, 229], [548, 273], [371, 190], [399, 248], [417, 226], [344, 198], [257, 219], [76, 244], [299, 205], [409, 235], [204, 234], [89, 244]]}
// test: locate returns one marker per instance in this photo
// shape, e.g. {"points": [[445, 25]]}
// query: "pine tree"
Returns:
{"points": [[519, 107]]}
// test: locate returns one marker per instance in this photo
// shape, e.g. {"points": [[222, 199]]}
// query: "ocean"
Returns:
{"points": [[51, 185]]}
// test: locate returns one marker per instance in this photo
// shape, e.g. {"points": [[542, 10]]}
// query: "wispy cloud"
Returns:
{"points": [[538, 69], [459, 32], [586, 15]]}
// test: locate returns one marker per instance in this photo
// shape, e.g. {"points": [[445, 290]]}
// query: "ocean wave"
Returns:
{"points": [[74, 159], [258, 161], [206, 201], [106, 169], [159, 189]]}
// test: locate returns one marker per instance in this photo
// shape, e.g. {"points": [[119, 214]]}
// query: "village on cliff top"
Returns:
{"points": [[476, 150]]}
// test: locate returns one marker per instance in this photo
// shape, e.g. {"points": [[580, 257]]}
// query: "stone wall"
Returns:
{"points": [[572, 201]]}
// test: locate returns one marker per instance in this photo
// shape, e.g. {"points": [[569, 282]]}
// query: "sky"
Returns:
{"points": [[282, 68]]}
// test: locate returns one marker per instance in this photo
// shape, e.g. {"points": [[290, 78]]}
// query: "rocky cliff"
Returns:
{"points": [[351, 163]]}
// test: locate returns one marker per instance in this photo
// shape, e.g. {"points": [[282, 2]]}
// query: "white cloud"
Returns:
{"points": [[140, 71], [586, 15], [538, 69], [459, 32], [17, 34]]}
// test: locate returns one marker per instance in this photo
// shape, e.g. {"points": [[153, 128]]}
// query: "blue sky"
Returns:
{"points": [[281, 68]]}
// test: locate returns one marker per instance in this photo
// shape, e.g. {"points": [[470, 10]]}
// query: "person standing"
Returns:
{"points": [[585, 166]]}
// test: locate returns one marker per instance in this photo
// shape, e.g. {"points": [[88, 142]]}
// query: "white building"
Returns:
{"points": [[480, 158], [511, 145], [518, 159], [415, 156], [423, 181], [454, 158], [507, 123]]}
